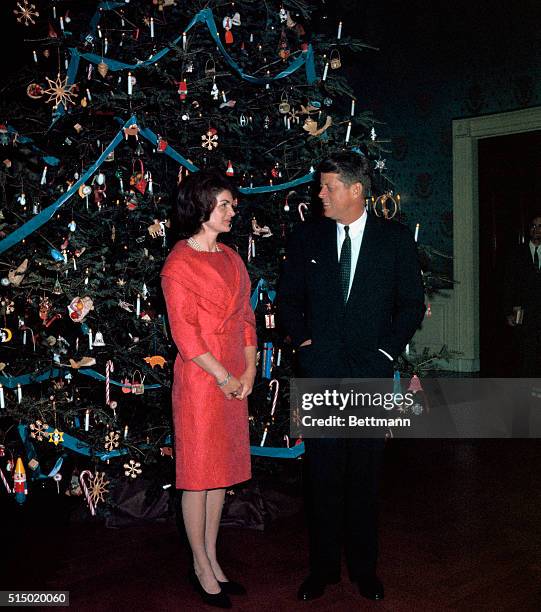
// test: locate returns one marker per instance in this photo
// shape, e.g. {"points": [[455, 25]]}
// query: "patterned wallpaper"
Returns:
{"points": [[435, 64]]}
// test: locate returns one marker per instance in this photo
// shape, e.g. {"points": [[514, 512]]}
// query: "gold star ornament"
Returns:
{"points": [[60, 92], [56, 436]]}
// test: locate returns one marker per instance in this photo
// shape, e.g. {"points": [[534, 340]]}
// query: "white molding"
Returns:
{"points": [[461, 332]]}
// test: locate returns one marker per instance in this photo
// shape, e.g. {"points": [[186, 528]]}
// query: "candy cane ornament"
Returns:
{"points": [[82, 475], [4, 480], [109, 367], [276, 385], [303, 206]]}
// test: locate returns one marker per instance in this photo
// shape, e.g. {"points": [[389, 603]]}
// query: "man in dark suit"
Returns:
{"points": [[522, 285], [350, 298]]}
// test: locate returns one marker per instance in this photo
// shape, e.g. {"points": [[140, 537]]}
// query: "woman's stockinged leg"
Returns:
{"points": [[194, 513], [215, 502]]}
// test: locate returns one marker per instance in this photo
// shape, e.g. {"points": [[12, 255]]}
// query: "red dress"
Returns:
{"points": [[208, 304]]}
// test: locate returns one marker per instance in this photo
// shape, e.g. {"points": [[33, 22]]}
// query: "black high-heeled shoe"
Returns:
{"points": [[218, 600], [232, 588]]}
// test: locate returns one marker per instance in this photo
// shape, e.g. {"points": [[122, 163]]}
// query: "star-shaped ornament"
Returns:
{"points": [[60, 92], [26, 12], [56, 436]]}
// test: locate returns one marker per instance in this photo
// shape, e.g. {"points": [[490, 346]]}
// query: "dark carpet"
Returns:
{"points": [[460, 530]]}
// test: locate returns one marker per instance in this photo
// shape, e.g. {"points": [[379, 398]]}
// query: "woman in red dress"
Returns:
{"points": [[207, 290]]}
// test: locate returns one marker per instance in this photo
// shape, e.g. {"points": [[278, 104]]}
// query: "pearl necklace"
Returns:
{"points": [[196, 246]]}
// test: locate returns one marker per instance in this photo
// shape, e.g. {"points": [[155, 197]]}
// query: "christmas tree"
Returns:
{"points": [[115, 104]]}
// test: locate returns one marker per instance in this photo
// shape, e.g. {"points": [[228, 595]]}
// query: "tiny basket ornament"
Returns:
{"points": [[284, 107], [137, 386], [335, 60], [210, 67]]}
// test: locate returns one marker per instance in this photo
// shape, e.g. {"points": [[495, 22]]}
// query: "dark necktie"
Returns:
{"points": [[345, 264], [536, 259]]}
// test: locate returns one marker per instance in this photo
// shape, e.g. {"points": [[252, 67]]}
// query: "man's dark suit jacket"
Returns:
{"points": [[385, 305], [523, 286]]}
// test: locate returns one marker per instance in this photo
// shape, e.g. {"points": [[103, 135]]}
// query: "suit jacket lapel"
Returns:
{"points": [[364, 270], [328, 261]]}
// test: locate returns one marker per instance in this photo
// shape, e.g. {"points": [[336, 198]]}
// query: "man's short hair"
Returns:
{"points": [[352, 168]]}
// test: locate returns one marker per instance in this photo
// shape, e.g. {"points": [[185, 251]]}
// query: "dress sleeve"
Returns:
{"points": [[250, 337], [182, 313]]}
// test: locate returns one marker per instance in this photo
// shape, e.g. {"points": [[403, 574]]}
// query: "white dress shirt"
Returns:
{"points": [[532, 250]]}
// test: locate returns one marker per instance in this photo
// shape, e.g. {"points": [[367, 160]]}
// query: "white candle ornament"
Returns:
{"points": [[90, 344], [19, 393], [35, 56], [348, 131], [2, 402], [339, 33], [138, 305], [416, 231], [152, 27], [352, 107], [87, 419], [130, 84], [184, 41], [325, 70], [62, 23]]}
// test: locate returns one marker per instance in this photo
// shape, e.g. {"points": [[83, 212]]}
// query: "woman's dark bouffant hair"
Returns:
{"points": [[196, 199]]}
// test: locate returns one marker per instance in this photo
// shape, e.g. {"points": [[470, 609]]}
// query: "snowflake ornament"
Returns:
{"points": [[26, 12], [60, 92], [209, 140], [373, 135], [380, 164], [38, 430], [98, 488], [132, 469], [112, 440]]}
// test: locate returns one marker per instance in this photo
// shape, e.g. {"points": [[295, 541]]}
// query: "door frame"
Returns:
{"points": [[464, 312]]}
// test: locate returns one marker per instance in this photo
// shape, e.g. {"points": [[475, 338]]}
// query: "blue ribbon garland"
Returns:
{"points": [[262, 285], [82, 448], [37, 474], [47, 213], [41, 218], [11, 382], [306, 58], [48, 159]]}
